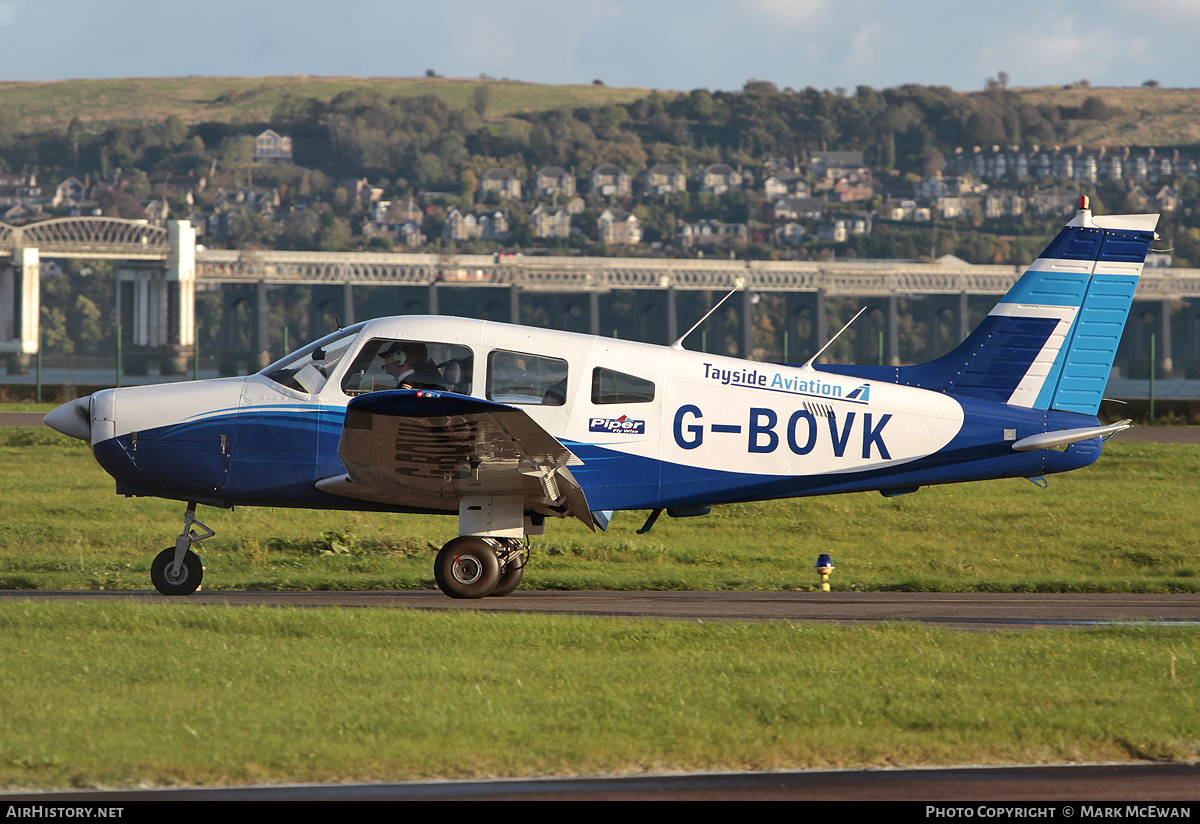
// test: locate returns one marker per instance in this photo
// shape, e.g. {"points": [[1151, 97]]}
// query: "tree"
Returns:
{"points": [[174, 131], [335, 236], [481, 98], [468, 183]]}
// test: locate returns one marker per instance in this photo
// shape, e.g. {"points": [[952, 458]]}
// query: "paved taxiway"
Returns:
{"points": [[972, 611], [1059, 785]]}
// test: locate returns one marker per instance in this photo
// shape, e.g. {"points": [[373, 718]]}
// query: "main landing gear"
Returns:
{"points": [[469, 566], [474, 567], [178, 570]]}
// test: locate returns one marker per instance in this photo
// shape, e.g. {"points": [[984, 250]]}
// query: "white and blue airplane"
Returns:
{"points": [[505, 426]]}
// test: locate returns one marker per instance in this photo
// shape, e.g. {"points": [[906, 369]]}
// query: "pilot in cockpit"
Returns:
{"points": [[410, 365]]}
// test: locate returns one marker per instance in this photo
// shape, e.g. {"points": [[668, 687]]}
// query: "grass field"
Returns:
{"points": [[1127, 524], [128, 694], [139, 694]]}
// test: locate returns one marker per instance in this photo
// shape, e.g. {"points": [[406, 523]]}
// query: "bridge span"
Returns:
{"points": [[161, 269]]}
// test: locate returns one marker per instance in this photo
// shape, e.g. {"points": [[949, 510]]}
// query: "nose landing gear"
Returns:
{"points": [[178, 570]]}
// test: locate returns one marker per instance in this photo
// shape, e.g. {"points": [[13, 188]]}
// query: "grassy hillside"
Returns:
{"points": [[1146, 117], [252, 99]]}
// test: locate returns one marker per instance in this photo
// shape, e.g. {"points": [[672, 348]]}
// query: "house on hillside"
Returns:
{"points": [[360, 190], [1167, 199], [69, 193], [617, 227], [460, 227], [710, 233], [157, 212], [665, 179], [786, 184], [906, 210], [548, 223], [610, 180], [494, 226], [789, 234], [718, 178], [832, 164], [999, 203], [553, 181], [1054, 200], [794, 208], [502, 182], [272, 147]]}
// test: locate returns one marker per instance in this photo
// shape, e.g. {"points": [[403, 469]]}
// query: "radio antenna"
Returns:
{"points": [[678, 345], [808, 363]]}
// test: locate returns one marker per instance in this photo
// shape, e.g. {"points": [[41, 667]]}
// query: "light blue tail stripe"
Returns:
{"points": [[1081, 372], [1048, 288]]}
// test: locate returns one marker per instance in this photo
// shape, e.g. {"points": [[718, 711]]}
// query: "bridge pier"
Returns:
{"points": [[155, 305], [20, 294], [1166, 364]]}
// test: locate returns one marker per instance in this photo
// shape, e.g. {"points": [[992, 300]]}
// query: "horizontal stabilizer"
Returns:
{"points": [[1066, 437]]}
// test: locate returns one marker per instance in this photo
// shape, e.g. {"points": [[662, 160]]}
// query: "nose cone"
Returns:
{"points": [[73, 419]]}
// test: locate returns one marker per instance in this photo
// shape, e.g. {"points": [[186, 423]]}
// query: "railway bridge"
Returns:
{"points": [[160, 271]]}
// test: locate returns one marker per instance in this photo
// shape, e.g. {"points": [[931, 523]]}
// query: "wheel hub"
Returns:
{"points": [[173, 576], [466, 569]]}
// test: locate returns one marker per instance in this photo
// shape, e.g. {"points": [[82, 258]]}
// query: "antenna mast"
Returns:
{"points": [[678, 345]]}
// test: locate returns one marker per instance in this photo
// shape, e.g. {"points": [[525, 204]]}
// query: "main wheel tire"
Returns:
{"points": [[188, 579], [510, 579], [467, 567]]}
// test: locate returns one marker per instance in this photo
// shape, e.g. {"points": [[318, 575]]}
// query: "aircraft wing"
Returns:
{"points": [[426, 449]]}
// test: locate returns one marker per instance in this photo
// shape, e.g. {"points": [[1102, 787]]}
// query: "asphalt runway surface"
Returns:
{"points": [[1111, 786], [973, 611]]}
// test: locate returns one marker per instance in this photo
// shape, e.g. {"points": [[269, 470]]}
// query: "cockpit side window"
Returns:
{"points": [[307, 369], [517, 377], [391, 363], [611, 386]]}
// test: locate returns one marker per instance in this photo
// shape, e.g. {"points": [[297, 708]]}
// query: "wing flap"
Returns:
{"points": [[426, 449]]}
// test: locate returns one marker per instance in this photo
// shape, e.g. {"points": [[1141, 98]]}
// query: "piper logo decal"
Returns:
{"points": [[617, 426]]}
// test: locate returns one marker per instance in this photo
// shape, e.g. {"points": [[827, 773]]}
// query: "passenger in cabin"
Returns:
{"points": [[411, 366]]}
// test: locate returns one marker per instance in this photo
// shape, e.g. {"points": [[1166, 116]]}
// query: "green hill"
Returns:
{"points": [[36, 106], [1134, 116]]}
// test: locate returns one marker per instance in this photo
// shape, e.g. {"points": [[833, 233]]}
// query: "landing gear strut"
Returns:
{"points": [[474, 567], [178, 570]]}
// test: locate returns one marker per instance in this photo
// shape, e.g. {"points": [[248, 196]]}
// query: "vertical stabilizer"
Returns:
{"points": [[1051, 341], [1085, 282]]}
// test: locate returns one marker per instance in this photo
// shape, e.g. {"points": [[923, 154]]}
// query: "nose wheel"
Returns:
{"points": [[170, 579], [178, 570]]}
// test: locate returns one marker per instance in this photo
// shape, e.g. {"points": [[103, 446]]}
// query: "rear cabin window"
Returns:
{"points": [[611, 386], [518, 377], [390, 363]]}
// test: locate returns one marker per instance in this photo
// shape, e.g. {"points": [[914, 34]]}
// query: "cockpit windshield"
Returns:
{"points": [[307, 369]]}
